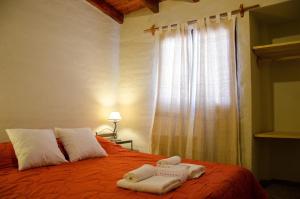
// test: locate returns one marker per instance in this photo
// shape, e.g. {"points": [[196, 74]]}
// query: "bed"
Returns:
{"points": [[96, 178]]}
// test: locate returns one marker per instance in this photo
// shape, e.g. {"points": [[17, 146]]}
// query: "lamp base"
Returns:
{"points": [[115, 131]]}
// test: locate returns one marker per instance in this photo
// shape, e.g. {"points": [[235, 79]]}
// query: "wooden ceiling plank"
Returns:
{"points": [[185, 0], [108, 9], [153, 5], [126, 6]]}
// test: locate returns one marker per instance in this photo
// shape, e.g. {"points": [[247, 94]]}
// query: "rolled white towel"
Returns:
{"points": [[194, 170], [172, 161], [154, 184], [178, 171], [141, 173]]}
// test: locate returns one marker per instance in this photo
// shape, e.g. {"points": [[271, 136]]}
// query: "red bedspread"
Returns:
{"points": [[96, 178]]}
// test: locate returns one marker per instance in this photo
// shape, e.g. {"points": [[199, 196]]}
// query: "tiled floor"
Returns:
{"points": [[283, 190]]}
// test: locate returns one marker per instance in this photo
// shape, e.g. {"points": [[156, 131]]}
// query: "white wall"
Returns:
{"points": [[136, 92], [59, 64]]}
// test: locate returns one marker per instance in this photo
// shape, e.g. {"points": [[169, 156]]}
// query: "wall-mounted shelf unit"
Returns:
{"points": [[275, 90], [278, 135], [278, 51]]}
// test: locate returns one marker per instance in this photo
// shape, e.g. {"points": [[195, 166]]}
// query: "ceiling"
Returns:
{"points": [[116, 9]]}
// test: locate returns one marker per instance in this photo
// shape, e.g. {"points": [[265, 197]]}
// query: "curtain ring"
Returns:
{"points": [[186, 26], [169, 28], [181, 26], [200, 23], [218, 18], [159, 30], [229, 16], [206, 20]]}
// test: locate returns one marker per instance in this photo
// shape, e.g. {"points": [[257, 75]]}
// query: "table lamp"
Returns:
{"points": [[115, 117]]}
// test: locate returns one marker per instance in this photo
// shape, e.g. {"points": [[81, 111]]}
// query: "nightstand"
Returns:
{"points": [[118, 141], [109, 136]]}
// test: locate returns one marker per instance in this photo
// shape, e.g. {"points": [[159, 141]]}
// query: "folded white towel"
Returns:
{"points": [[141, 173], [178, 171], [170, 161], [154, 184], [195, 171]]}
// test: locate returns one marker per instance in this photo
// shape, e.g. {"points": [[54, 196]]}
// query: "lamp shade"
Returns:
{"points": [[115, 116]]}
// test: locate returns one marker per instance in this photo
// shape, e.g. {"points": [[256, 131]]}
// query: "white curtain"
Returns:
{"points": [[196, 112]]}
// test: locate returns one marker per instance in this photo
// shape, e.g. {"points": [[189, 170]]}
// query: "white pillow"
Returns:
{"points": [[80, 143], [35, 147]]}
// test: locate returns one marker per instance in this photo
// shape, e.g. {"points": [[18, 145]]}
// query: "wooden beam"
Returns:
{"points": [[153, 5], [185, 0], [108, 9]]}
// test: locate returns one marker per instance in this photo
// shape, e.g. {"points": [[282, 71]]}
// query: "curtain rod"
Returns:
{"points": [[240, 11]]}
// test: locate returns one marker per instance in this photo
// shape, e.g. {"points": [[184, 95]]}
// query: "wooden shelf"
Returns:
{"points": [[280, 51], [278, 135]]}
